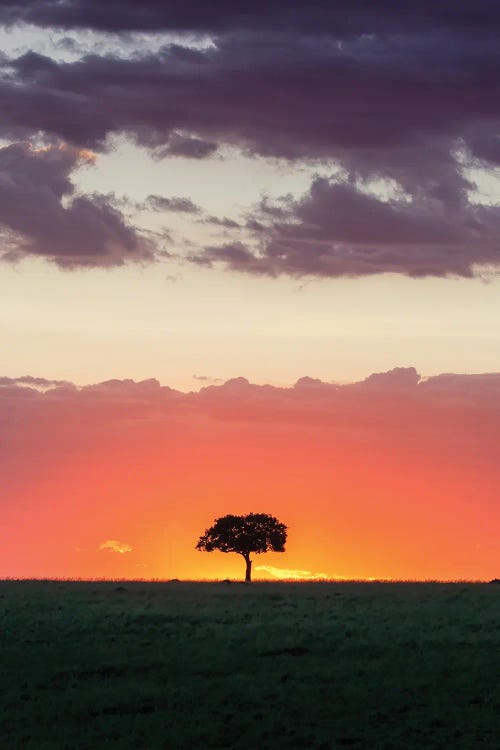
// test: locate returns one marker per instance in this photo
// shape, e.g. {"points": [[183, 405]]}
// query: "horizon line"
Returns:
{"points": [[13, 579]]}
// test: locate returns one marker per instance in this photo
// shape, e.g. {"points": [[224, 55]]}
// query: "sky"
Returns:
{"points": [[249, 260]]}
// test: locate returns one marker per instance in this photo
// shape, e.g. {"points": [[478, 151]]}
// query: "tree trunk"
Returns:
{"points": [[248, 574]]}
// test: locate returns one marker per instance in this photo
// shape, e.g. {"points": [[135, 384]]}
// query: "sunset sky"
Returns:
{"points": [[249, 259]]}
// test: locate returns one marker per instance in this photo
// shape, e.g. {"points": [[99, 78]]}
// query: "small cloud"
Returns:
{"points": [[286, 573], [81, 549], [141, 565], [207, 379], [114, 546], [221, 222], [186, 146], [175, 203]]}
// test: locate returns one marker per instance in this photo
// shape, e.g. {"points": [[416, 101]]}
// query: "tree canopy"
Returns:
{"points": [[255, 532]]}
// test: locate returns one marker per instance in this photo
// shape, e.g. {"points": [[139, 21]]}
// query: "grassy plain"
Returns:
{"points": [[213, 665]]}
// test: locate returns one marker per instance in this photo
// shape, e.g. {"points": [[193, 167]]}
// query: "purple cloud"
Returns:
{"points": [[405, 95], [341, 17], [176, 204], [35, 220], [282, 95], [337, 230]]}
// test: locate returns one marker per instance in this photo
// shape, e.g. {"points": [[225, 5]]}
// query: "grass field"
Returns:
{"points": [[279, 665]]}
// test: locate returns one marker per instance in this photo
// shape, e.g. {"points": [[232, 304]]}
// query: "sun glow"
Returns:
{"points": [[290, 574]]}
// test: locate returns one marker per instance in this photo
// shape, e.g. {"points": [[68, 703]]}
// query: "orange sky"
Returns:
{"points": [[384, 479], [196, 196]]}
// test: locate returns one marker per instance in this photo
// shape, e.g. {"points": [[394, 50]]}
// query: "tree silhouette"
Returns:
{"points": [[255, 532]]}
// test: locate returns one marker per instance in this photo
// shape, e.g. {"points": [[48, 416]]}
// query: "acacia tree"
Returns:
{"points": [[255, 532]]}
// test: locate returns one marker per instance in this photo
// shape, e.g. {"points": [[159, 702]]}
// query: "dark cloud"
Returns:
{"points": [[281, 95], [234, 255], [175, 204], [341, 17], [392, 93], [223, 222], [338, 230], [40, 214]]}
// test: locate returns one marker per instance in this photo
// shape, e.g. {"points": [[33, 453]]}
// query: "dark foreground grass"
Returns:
{"points": [[84, 665]]}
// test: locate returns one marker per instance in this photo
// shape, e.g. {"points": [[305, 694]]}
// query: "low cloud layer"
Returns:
{"points": [[398, 97], [392, 405]]}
